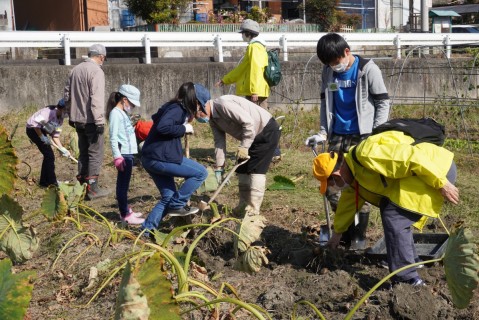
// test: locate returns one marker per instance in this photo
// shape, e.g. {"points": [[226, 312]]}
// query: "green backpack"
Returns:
{"points": [[272, 72]]}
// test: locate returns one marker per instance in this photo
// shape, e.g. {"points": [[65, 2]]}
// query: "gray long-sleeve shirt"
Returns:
{"points": [[238, 117], [85, 92]]}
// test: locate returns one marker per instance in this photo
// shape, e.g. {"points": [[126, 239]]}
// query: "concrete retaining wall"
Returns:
{"points": [[415, 80]]}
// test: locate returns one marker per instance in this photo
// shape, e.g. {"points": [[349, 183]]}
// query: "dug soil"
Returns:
{"points": [[297, 269]]}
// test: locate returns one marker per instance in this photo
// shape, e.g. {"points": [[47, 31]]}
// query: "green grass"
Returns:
{"points": [[297, 158]]}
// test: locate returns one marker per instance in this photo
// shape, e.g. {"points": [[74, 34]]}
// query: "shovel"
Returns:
{"points": [[324, 231], [205, 205]]}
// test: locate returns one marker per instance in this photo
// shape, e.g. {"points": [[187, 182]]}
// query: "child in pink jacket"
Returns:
{"points": [[42, 125]]}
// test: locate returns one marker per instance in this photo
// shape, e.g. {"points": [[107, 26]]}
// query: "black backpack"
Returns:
{"points": [[422, 130], [272, 72]]}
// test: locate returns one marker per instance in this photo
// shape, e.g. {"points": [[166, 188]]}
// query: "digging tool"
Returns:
{"points": [[187, 146], [70, 157], [324, 233], [205, 205]]}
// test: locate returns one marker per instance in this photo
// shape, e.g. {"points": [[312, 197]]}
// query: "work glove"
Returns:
{"points": [[119, 163], [315, 139], [50, 127], [71, 123], [64, 152], [242, 154], [188, 128], [45, 140], [100, 128]]}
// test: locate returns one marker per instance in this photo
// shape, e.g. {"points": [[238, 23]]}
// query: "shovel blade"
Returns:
{"points": [[323, 235]]}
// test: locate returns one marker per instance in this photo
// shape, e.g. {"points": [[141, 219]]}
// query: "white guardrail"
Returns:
{"points": [[67, 40]]}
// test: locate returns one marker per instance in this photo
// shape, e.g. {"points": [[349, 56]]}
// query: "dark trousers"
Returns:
{"points": [[398, 234], [91, 147], [47, 174], [398, 237], [123, 184], [262, 150]]}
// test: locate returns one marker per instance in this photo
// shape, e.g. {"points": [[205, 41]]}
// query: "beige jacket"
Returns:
{"points": [[238, 117], [85, 93]]}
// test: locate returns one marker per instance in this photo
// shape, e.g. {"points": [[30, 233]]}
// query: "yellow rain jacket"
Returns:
{"points": [[408, 175], [249, 74]]}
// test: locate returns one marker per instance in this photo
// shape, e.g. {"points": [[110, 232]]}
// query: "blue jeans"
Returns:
{"points": [[123, 184], [163, 174]]}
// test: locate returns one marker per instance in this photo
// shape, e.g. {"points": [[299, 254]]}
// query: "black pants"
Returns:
{"points": [[91, 147], [47, 173], [262, 150]]}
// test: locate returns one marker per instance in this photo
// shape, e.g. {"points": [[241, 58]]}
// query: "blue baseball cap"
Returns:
{"points": [[203, 95]]}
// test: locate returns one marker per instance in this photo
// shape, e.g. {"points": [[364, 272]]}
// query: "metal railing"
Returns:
{"points": [[226, 27], [67, 40]]}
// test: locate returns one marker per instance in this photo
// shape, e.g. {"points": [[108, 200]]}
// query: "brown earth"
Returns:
{"points": [[332, 282]]}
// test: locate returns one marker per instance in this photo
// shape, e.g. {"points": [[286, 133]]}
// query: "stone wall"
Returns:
{"points": [[414, 80]]}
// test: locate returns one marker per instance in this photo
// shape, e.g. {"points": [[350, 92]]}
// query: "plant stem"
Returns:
{"points": [[360, 302]]}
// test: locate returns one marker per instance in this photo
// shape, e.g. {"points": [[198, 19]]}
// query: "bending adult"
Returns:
{"points": [[258, 133], [85, 93], [43, 124], [162, 154], [407, 182]]}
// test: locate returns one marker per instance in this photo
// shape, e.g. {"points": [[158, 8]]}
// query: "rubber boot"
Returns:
{"points": [[93, 189], [81, 179], [258, 187], [244, 188], [358, 239]]}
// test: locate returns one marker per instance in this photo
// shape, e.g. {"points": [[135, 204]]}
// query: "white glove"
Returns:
{"points": [[65, 152], [45, 140], [189, 128], [315, 139]]}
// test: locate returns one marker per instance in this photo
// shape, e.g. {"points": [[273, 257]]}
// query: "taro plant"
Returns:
{"points": [[17, 239], [249, 253], [461, 265], [161, 264], [15, 291]]}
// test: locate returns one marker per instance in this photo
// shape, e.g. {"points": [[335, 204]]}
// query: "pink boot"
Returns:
{"points": [[132, 219]]}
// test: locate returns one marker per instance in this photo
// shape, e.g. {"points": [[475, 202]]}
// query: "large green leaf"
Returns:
{"points": [[282, 183], [74, 193], [74, 144], [17, 240], [210, 184], [54, 206], [249, 231], [461, 265], [158, 289], [15, 291], [8, 163]]}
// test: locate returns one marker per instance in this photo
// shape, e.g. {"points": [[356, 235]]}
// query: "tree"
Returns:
{"points": [[157, 11], [324, 13]]}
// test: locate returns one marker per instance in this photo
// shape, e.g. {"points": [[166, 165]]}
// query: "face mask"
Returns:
{"points": [[127, 108], [340, 67], [245, 37], [203, 120]]}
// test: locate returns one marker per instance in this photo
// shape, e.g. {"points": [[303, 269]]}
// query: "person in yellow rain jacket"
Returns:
{"points": [[407, 182], [249, 74]]}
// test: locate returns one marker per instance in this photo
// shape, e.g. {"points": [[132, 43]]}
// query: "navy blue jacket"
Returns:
{"points": [[163, 143]]}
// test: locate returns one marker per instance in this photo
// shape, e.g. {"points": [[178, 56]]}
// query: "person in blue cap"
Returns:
{"points": [[162, 155], [42, 125], [258, 134]]}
